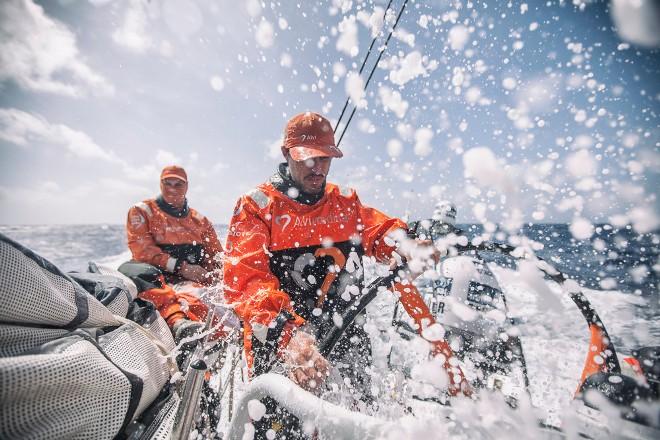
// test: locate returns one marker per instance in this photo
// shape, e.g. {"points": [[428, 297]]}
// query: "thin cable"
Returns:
{"points": [[364, 62], [371, 74]]}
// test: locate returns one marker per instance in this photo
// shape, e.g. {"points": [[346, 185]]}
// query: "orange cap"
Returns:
{"points": [[174, 171], [310, 135]]}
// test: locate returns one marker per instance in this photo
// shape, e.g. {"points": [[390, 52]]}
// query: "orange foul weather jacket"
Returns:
{"points": [[288, 262], [166, 240]]}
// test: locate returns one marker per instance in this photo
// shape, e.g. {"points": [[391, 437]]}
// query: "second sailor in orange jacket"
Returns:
{"points": [[168, 237]]}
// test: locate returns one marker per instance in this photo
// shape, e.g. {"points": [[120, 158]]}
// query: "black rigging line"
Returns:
{"points": [[371, 74], [364, 62]]}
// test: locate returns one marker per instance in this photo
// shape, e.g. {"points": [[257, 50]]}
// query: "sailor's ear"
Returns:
{"points": [[285, 152]]}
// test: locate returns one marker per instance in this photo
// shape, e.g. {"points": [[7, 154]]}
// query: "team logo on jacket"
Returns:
{"points": [[304, 221], [136, 219], [286, 219]]}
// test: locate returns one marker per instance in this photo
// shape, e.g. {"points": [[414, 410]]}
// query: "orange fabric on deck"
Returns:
{"points": [[174, 306], [595, 359], [414, 304]]}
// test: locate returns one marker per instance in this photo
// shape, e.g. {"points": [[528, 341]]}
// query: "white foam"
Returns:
{"points": [[348, 37], [392, 101], [256, 409], [581, 164], [481, 164], [409, 68], [217, 83], [637, 21], [581, 228], [394, 147], [355, 88], [264, 34], [423, 138], [458, 37]]}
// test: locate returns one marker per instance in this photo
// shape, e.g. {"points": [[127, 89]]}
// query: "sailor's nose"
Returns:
{"points": [[316, 167]]}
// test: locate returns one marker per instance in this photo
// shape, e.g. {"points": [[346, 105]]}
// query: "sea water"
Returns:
{"points": [[617, 268], [617, 263]]}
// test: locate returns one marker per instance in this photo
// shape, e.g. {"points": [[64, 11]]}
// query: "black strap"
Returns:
{"points": [[265, 353]]}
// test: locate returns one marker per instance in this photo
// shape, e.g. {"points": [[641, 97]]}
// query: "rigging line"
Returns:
{"points": [[371, 74], [364, 62]]}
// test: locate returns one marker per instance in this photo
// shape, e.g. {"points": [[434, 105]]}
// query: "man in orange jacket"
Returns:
{"points": [[171, 242], [293, 261]]}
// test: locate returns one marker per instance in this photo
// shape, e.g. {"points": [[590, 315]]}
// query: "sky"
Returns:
{"points": [[515, 112]]}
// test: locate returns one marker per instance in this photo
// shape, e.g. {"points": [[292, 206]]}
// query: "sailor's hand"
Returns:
{"points": [[193, 272], [306, 366], [419, 254], [428, 247]]}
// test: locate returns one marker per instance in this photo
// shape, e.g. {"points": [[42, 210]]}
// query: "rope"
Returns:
{"points": [[371, 74], [364, 62]]}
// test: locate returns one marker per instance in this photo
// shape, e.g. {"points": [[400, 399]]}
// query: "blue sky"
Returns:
{"points": [[538, 111]]}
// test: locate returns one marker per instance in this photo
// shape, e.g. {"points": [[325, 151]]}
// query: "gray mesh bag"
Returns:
{"points": [[71, 365]]}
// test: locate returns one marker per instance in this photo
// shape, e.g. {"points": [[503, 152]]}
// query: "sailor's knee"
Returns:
{"points": [[145, 276]]}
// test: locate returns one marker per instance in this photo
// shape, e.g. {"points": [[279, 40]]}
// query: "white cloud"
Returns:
{"points": [[25, 129], [50, 186], [183, 18], [219, 167], [253, 7], [21, 128], [133, 32], [47, 202], [361, 178], [164, 158], [41, 54], [124, 188], [274, 149], [146, 173], [99, 2]]}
